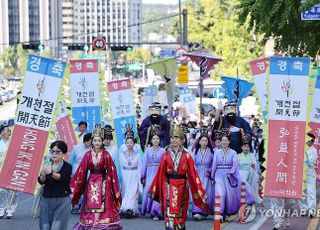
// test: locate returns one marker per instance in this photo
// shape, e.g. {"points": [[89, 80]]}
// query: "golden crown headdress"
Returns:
{"points": [[98, 132], [177, 131], [155, 129], [204, 130], [246, 139], [108, 131]]}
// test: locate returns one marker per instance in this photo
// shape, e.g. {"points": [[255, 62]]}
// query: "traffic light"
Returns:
{"points": [[33, 46], [121, 48], [77, 46]]}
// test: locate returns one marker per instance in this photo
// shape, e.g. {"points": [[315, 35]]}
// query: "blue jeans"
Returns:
{"points": [[54, 213]]}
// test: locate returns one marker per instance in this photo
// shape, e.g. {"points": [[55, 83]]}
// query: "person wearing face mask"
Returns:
{"points": [[96, 179], [155, 118], [8, 198], [235, 125]]}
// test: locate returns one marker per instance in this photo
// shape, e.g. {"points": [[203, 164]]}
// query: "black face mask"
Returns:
{"points": [[155, 119], [231, 117]]}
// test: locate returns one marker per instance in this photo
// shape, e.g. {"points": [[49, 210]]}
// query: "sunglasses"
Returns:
{"points": [[53, 152]]}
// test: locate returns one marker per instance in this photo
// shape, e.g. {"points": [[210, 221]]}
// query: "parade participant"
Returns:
{"points": [[130, 169], [96, 178], [152, 157], [82, 128], [108, 142], [8, 198], [75, 158], [155, 118], [280, 206], [308, 204], [226, 177], [234, 124], [247, 167], [129, 132], [55, 202], [176, 174], [78, 152], [203, 156]]}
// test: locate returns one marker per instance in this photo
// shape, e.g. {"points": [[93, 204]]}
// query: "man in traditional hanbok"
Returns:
{"points": [[155, 118], [235, 125], [176, 174], [96, 178]]}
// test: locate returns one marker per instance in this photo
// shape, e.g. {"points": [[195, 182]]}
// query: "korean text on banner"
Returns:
{"points": [[34, 115], [84, 80], [259, 71], [150, 95], [122, 108], [66, 132], [287, 126], [315, 122]]}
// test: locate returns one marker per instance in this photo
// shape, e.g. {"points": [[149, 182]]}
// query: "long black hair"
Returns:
{"points": [[198, 144]]}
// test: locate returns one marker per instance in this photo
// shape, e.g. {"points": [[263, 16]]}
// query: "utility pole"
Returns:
{"points": [[185, 26], [180, 25]]}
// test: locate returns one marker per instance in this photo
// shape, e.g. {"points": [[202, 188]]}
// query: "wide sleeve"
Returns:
{"points": [[145, 164], [198, 193], [155, 191], [214, 166], [79, 180], [115, 186], [140, 166], [234, 164]]}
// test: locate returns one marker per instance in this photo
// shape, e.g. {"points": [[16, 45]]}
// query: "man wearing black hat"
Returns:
{"points": [[155, 118], [235, 125]]}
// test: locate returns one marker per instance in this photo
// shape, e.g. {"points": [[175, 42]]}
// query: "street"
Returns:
{"points": [[23, 220]]}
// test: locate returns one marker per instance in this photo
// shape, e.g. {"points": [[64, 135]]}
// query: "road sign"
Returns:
{"points": [[167, 53], [180, 54], [312, 14], [183, 74], [218, 93], [98, 43]]}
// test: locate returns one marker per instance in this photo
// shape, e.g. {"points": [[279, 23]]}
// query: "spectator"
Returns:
{"points": [[55, 203]]}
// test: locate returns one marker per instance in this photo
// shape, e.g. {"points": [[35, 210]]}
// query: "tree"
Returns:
{"points": [[140, 55], [213, 23], [14, 60], [281, 19]]}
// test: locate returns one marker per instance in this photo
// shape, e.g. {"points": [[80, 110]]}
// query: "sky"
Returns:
{"points": [[167, 2]]}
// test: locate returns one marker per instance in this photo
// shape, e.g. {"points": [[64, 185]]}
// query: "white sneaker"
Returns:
{"points": [[9, 214], [197, 217], [2, 212], [155, 218], [287, 222]]}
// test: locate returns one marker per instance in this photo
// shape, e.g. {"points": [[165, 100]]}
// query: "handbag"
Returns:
{"points": [[36, 203]]}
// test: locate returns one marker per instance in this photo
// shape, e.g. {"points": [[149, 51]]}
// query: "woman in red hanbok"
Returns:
{"points": [[96, 178], [175, 175]]}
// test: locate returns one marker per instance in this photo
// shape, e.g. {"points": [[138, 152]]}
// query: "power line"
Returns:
{"points": [[93, 33]]}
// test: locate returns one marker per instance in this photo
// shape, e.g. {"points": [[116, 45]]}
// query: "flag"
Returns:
{"points": [[236, 89]]}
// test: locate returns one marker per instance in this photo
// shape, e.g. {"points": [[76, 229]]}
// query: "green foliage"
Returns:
{"points": [[213, 23], [139, 55], [14, 60], [281, 19]]}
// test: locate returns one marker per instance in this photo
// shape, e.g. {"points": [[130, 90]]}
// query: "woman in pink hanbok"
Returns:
{"points": [[96, 179]]}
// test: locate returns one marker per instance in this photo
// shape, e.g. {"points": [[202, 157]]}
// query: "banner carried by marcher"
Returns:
{"points": [[122, 109], [84, 80], [259, 72], [288, 99], [34, 116], [188, 102], [65, 129], [149, 95]]}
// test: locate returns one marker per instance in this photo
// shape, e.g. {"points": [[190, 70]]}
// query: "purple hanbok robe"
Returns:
{"points": [[151, 164], [203, 165], [225, 164]]}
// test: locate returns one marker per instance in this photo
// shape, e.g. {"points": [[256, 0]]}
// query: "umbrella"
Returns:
{"points": [[206, 62]]}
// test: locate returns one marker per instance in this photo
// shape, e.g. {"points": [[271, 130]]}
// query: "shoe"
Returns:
{"points": [[287, 222], [2, 212], [276, 228], [197, 217], [9, 215], [155, 218]]}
